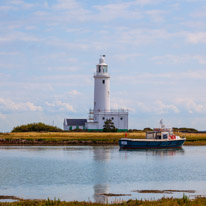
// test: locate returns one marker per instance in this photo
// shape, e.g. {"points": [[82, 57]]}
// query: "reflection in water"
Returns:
{"points": [[100, 189], [158, 152], [165, 152], [101, 155]]}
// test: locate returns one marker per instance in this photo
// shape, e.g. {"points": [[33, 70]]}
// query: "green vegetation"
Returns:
{"points": [[109, 126], [184, 201], [84, 138], [36, 127], [147, 129], [184, 129]]}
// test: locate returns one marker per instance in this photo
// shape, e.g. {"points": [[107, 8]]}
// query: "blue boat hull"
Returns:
{"points": [[155, 144]]}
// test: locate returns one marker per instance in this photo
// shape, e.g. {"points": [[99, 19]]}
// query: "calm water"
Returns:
{"points": [[84, 172]]}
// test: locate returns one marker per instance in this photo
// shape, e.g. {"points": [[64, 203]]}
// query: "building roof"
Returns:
{"points": [[76, 122]]}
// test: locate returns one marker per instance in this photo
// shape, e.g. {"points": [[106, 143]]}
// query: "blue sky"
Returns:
{"points": [[155, 49]]}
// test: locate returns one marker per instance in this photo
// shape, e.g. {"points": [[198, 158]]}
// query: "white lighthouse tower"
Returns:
{"points": [[102, 111], [101, 88]]}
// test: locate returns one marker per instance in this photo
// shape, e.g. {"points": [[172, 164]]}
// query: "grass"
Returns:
{"points": [[194, 138], [87, 137], [184, 201]]}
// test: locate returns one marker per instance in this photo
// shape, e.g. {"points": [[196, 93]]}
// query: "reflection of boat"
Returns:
{"points": [[157, 152], [161, 138]]}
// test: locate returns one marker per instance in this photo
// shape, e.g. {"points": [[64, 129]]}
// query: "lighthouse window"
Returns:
{"points": [[105, 69], [103, 81], [99, 68], [121, 118]]}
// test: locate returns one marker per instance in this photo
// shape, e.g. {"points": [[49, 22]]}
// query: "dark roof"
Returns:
{"points": [[76, 122]]}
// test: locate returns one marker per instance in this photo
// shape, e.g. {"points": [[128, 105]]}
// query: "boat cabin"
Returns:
{"points": [[159, 133]]}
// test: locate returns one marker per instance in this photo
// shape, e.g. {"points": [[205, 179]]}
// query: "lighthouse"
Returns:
{"points": [[101, 110], [101, 88]]}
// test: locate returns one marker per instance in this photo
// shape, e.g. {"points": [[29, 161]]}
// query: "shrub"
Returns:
{"points": [[109, 126], [36, 127], [147, 129]]}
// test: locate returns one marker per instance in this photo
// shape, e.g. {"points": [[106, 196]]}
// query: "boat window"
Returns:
{"points": [[158, 135], [150, 135], [164, 136]]}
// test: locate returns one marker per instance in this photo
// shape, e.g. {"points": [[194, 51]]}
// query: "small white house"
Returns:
{"points": [[71, 124]]}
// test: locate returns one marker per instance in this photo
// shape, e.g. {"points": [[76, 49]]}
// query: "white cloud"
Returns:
{"points": [[162, 108], [200, 59], [9, 105], [142, 107], [201, 13], [61, 106], [15, 5], [145, 2], [66, 5], [9, 53], [140, 36], [180, 59], [196, 37], [167, 78], [67, 45], [156, 15], [156, 107], [74, 92], [117, 10], [18, 36], [126, 56], [191, 105], [2, 116]]}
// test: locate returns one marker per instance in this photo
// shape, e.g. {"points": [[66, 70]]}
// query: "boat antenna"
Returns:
{"points": [[161, 123]]}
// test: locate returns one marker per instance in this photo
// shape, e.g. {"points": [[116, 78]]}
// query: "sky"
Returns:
{"points": [[155, 51]]}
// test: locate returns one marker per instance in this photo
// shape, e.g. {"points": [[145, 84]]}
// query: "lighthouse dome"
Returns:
{"points": [[102, 59]]}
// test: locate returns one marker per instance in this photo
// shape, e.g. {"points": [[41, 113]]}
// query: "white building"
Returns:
{"points": [[72, 124], [102, 111]]}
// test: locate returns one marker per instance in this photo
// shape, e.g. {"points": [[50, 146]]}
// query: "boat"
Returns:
{"points": [[159, 138]]}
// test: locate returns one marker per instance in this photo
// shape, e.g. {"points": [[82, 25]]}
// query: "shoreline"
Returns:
{"points": [[185, 200], [74, 143], [83, 138]]}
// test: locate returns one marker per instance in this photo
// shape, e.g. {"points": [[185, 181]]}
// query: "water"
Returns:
{"points": [[84, 172]]}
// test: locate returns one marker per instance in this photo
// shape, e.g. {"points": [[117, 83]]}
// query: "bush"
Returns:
{"points": [[109, 126], [147, 129], [184, 129], [36, 127]]}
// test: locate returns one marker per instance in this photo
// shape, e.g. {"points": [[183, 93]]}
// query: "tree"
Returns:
{"points": [[147, 129], [109, 126], [36, 127]]}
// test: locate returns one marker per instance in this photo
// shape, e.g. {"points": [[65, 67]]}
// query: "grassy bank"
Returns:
{"points": [[83, 138], [185, 201]]}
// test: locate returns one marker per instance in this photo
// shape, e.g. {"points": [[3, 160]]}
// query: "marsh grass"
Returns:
{"points": [[61, 136], [92, 137], [184, 201]]}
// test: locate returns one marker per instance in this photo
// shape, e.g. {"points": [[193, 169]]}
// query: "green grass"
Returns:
{"points": [[184, 201], [86, 137]]}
